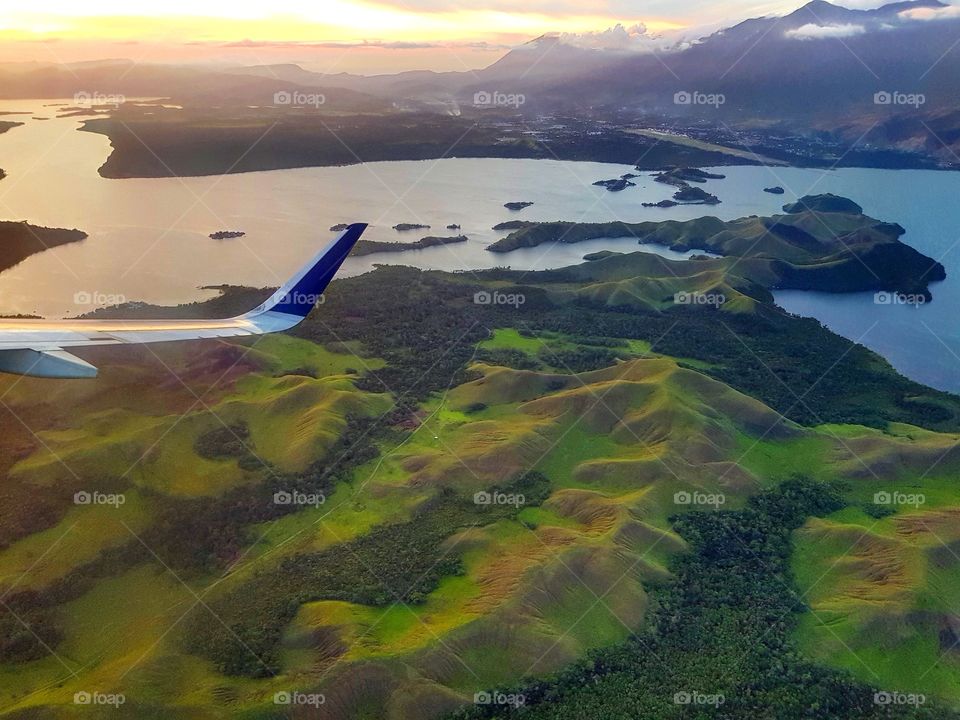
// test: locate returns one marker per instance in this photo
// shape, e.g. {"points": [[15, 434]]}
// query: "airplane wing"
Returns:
{"points": [[36, 347]]}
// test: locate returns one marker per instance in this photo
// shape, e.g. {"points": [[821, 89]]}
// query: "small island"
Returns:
{"points": [[369, 247], [689, 195], [406, 227], [683, 175], [226, 234], [686, 194], [662, 204], [617, 184], [517, 205], [453, 227], [775, 190], [339, 227]]}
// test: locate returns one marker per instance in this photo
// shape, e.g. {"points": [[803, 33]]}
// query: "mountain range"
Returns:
{"points": [[889, 75], [818, 59]]}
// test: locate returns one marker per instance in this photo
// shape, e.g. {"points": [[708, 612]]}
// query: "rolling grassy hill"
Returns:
{"points": [[468, 495], [882, 589]]}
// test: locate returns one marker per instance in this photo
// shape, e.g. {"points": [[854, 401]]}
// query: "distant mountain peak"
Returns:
{"points": [[822, 10], [823, 19], [818, 4], [826, 9], [911, 4], [549, 37]]}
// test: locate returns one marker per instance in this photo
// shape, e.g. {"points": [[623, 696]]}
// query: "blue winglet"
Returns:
{"points": [[302, 293]]}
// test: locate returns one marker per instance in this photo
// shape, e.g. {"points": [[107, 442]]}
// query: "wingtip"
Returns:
{"points": [[299, 296]]}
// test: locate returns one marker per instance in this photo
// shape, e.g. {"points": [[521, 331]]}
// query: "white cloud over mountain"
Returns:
{"points": [[812, 31]]}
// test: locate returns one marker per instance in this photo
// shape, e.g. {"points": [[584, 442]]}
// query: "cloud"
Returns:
{"points": [[634, 38], [947, 12], [617, 37], [811, 31]]}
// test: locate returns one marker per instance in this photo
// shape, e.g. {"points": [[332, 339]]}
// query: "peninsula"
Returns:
{"points": [[20, 240], [821, 242]]}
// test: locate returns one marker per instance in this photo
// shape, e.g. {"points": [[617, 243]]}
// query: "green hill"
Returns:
{"points": [[408, 503], [824, 242]]}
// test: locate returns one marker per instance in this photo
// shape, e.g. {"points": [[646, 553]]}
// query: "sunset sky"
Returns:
{"points": [[335, 35]]}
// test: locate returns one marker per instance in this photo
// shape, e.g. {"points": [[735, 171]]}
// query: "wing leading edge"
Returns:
{"points": [[36, 347]]}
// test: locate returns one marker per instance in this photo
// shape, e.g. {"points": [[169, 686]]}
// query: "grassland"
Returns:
{"points": [[882, 583], [403, 588]]}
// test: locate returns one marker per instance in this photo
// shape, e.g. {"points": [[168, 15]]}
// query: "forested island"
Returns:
{"points": [[686, 194], [681, 176], [369, 247], [616, 184]]}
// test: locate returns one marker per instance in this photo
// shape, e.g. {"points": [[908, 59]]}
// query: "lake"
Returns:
{"points": [[149, 237]]}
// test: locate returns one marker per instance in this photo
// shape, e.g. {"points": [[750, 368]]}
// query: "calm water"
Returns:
{"points": [[148, 238]]}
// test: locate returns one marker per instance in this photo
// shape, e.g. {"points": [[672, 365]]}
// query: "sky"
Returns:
{"points": [[364, 36]]}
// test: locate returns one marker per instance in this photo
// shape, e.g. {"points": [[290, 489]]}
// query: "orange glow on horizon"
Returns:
{"points": [[286, 30], [342, 20]]}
